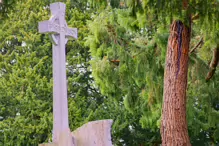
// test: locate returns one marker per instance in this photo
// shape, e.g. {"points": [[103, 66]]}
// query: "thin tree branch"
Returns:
{"points": [[115, 61], [196, 46], [213, 64], [195, 17]]}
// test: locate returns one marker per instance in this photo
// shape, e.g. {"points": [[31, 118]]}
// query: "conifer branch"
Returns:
{"points": [[213, 64], [197, 45], [195, 17], [115, 61]]}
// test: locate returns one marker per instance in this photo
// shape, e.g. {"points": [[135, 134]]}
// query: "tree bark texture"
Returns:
{"points": [[174, 130], [213, 64]]}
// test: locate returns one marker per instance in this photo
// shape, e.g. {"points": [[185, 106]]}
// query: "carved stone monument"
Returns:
{"points": [[95, 133], [59, 32]]}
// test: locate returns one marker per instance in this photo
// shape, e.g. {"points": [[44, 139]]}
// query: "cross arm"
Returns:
{"points": [[48, 27], [71, 33]]}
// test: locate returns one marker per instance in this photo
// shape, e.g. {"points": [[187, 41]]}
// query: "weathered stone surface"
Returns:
{"points": [[48, 144], [64, 139], [96, 133]]}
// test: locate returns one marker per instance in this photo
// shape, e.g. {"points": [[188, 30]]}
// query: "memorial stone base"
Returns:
{"points": [[96, 133]]}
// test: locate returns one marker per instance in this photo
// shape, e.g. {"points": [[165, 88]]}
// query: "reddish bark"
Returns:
{"points": [[174, 125], [213, 64]]}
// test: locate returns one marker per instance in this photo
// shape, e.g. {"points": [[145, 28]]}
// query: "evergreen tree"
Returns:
{"points": [[26, 80], [26, 74], [137, 29]]}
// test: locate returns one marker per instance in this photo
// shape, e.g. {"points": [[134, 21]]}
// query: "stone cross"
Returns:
{"points": [[59, 32]]}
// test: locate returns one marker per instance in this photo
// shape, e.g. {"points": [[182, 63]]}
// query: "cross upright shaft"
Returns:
{"points": [[59, 32]]}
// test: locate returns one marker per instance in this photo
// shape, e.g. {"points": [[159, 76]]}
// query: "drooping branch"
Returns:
{"points": [[115, 61], [196, 46], [195, 17], [213, 64]]}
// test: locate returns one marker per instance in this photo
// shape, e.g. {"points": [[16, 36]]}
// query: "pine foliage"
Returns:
{"points": [[128, 50], [26, 75], [127, 65]]}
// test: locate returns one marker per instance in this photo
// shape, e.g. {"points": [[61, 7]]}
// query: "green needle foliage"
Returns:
{"points": [[26, 79], [26, 74], [128, 48]]}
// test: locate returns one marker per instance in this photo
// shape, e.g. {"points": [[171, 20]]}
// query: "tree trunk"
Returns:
{"points": [[174, 125]]}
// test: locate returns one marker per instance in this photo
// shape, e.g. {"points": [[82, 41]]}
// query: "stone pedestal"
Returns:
{"points": [[48, 144], [96, 133], [64, 139]]}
